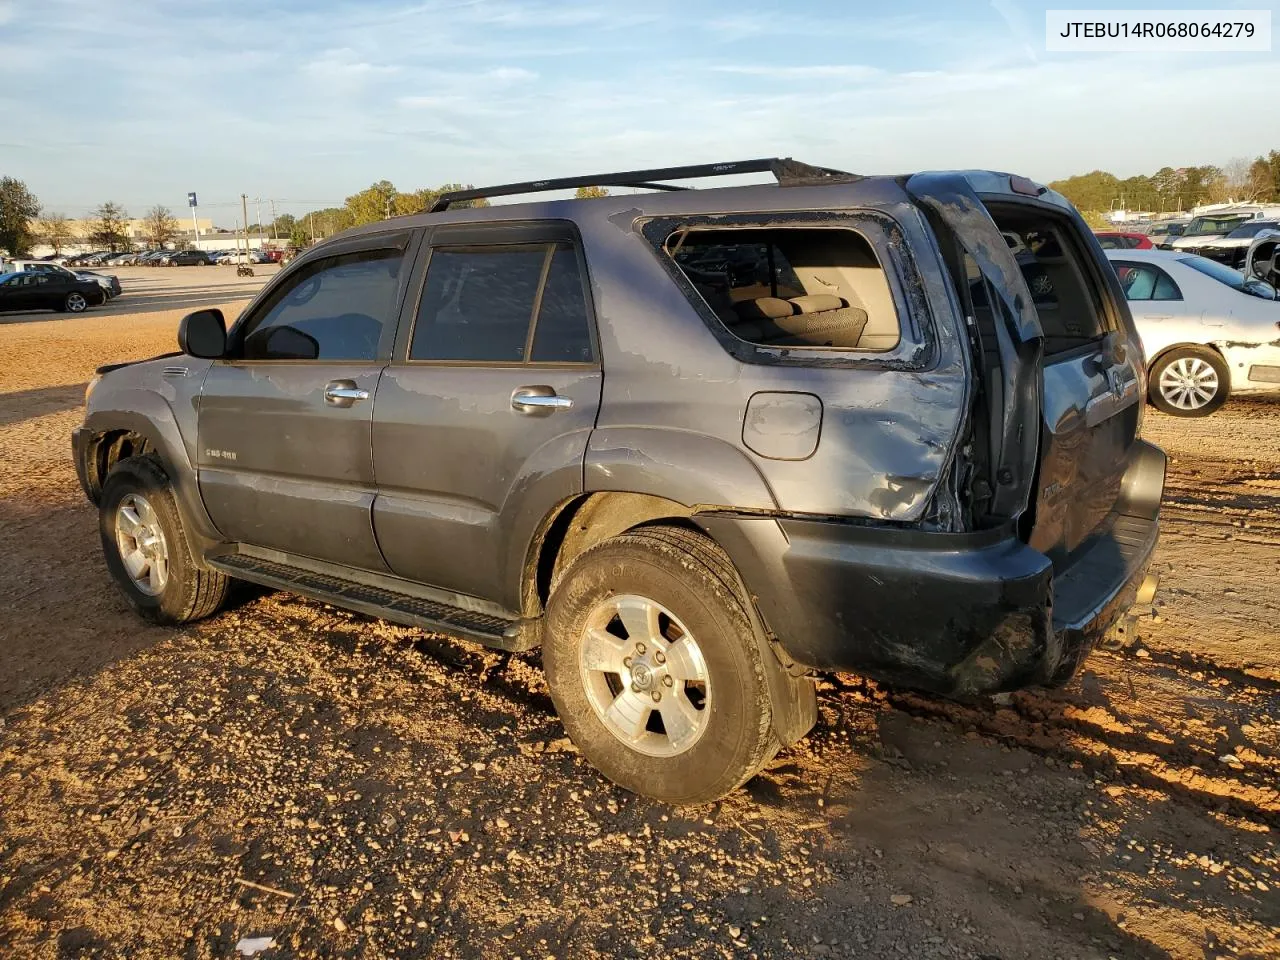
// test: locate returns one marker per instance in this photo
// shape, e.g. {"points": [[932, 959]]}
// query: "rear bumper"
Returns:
{"points": [[958, 614]]}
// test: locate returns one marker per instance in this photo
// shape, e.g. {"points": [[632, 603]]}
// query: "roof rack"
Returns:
{"points": [[787, 171]]}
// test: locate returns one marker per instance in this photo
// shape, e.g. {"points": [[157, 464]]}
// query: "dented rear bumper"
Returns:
{"points": [[958, 614]]}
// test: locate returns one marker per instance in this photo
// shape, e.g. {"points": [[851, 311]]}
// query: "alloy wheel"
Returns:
{"points": [[645, 676], [1189, 383]]}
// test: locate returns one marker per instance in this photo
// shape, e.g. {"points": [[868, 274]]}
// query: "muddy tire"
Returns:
{"points": [[1189, 381], [146, 548], [655, 668]]}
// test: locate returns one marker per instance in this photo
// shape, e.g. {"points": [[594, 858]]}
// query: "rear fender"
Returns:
{"points": [[692, 469]]}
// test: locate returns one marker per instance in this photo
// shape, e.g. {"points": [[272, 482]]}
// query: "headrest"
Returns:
{"points": [[770, 308], [817, 302]]}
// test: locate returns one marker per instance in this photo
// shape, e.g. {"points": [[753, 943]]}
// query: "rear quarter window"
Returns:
{"points": [[803, 288]]}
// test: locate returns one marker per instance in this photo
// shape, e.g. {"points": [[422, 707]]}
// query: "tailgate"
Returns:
{"points": [[1047, 305]]}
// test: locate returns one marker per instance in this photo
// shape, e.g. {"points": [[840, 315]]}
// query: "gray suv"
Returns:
{"points": [[693, 444]]}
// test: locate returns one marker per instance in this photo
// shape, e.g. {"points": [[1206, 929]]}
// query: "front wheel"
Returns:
{"points": [[146, 548], [655, 668], [1189, 381], [75, 303]]}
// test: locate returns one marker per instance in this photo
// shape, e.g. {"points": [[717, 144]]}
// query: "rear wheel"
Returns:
{"points": [[146, 548], [75, 303], [1189, 381], [655, 668]]}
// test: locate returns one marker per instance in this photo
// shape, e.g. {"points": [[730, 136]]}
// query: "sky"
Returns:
{"points": [[308, 101]]}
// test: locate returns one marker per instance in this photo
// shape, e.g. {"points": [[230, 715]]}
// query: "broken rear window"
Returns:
{"points": [[1062, 287], [791, 287]]}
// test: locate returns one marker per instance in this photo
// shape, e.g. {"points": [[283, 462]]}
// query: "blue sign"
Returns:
{"points": [[191, 199]]}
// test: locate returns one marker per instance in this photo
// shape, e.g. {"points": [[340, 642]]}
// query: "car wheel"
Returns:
{"points": [[146, 548], [1189, 382], [75, 303], [655, 667]]}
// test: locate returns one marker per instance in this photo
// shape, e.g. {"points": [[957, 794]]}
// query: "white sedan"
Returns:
{"points": [[1207, 330]]}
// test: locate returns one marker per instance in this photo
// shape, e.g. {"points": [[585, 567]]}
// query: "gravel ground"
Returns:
{"points": [[352, 788]]}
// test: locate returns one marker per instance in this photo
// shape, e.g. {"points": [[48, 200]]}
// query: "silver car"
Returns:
{"points": [[1207, 330]]}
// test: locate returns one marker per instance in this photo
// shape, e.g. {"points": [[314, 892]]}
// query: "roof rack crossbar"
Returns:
{"points": [[783, 169]]}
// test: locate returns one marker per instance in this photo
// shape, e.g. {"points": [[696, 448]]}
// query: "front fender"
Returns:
{"points": [[149, 415]]}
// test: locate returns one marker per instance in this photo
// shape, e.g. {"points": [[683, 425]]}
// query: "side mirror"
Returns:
{"points": [[203, 334]]}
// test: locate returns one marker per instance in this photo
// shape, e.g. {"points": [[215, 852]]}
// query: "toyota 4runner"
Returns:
{"points": [[693, 444]]}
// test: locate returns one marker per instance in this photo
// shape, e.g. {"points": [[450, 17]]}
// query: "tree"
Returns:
{"points": [[159, 226], [327, 222], [55, 230], [372, 204], [462, 204], [18, 207], [107, 226], [590, 193], [298, 236], [284, 225], [1261, 185]]}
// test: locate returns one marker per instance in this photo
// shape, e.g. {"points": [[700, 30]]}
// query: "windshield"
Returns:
{"points": [[1232, 278], [1202, 225], [1253, 229]]}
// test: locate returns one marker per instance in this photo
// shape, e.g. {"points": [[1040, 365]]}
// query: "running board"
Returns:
{"points": [[514, 636]]}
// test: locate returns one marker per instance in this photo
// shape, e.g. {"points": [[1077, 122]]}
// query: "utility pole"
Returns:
{"points": [[312, 217], [244, 209], [258, 203], [273, 220]]}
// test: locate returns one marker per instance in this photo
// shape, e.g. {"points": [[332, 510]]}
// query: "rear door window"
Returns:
{"points": [[513, 303], [1145, 281]]}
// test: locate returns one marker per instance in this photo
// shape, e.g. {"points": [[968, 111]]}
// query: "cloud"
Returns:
{"points": [[511, 74], [1016, 19], [851, 71]]}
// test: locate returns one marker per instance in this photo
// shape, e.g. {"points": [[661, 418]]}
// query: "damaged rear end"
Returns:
{"points": [[1052, 453]]}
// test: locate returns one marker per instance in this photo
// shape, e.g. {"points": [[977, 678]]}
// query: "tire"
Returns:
{"points": [[75, 303], [1181, 377], [182, 592], [703, 672]]}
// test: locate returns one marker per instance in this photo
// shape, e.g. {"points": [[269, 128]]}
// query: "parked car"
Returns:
{"points": [[1114, 240], [82, 259], [152, 257], [1202, 230], [1164, 231], [1206, 330], [187, 258], [691, 487], [1232, 248], [48, 291], [110, 284]]}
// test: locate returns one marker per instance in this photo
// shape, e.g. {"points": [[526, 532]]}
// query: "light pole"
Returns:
{"points": [[195, 224], [244, 209]]}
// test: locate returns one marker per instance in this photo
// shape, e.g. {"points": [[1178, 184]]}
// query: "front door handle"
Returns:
{"points": [[343, 393], [539, 401]]}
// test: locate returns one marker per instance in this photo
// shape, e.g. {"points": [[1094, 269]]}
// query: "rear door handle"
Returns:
{"points": [[343, 393], [539, 401]]}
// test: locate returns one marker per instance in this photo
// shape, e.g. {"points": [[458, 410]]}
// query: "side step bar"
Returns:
{"points": [[514, 636]]}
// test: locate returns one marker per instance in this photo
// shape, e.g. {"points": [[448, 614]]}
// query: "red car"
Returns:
{"points": [[1114, 240]]}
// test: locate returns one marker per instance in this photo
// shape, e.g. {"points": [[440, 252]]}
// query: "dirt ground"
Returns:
{"points": [[351, 788]]}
